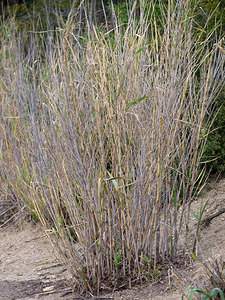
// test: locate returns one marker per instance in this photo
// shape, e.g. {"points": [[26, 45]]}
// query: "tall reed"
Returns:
{"points": [[103, 140]]}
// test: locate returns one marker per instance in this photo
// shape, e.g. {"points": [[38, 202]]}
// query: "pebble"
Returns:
{"points": [[48, 288], [9, 261]]}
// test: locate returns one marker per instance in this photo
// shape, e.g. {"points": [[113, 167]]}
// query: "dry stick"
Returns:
{"points": [[50, 232], [157, 204], [54, 291], [206, 220]]}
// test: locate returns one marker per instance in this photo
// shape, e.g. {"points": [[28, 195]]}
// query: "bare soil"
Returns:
{"points": [[29, 268]]}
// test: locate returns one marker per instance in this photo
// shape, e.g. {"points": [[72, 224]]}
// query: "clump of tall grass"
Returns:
{"points": [[102, 140]]}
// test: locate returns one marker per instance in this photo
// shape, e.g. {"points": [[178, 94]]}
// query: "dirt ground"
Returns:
{"points": [[29, 268]]}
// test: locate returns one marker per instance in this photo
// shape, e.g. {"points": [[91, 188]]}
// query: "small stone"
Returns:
{"points": [[48, 288], [9, 261], [51, 277], [45, 280]]}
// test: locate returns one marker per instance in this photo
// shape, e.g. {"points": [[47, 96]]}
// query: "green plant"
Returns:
{"points": [[214, 152], [198, 218], [117, 261], [215, 287], [208, 296]]}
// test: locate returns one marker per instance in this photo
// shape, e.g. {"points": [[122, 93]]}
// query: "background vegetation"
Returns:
{"points": [[208, 15]]}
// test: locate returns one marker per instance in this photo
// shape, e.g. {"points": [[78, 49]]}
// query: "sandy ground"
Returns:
{"points": [[29, 268]]}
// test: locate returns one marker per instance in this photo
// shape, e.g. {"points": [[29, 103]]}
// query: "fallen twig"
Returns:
{"points": [[206, 220], [54, 291]]}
